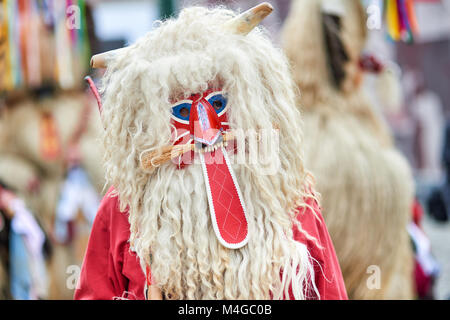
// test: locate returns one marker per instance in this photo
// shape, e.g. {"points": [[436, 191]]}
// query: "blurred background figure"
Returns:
{"points": [[48, 130], [366, 186], [23, 273], [418, 121], [50, 158]]}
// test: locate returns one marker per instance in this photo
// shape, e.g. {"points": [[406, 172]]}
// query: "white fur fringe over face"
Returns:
{"points": [[171, 228]]}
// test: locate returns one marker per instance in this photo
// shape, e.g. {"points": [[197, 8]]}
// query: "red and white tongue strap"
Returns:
{"points": [[226, 204]]}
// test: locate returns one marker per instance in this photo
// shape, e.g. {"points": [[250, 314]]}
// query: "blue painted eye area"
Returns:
{"points": [[218, 102], [182, 111]]}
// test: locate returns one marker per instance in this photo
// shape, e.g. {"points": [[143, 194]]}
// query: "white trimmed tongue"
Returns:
{"points": [[226, 204]]}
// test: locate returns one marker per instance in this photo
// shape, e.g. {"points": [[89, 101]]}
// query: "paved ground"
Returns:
{"points": [[439, 235]]}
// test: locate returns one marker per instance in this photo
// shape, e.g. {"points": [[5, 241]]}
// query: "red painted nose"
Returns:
{"points": [[204, 123]]}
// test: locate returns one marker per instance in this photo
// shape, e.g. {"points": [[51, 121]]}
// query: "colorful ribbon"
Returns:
{"points": [[28, 25], [401, 22]]}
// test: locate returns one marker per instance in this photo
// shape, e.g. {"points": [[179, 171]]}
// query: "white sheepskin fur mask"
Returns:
{"points": [[171, 228]]}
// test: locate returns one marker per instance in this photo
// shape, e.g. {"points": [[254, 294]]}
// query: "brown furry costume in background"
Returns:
{"points": [[38, 180], [366, 185]]}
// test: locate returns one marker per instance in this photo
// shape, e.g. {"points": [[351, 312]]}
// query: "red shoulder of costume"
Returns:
{"points": [[328, 275], [110, 270]]}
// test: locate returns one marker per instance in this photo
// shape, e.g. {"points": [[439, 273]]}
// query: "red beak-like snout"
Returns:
{"points": [[204, 123]]}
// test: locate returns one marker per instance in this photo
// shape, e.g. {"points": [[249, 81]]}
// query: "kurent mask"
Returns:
{"points": [[200, 126]]}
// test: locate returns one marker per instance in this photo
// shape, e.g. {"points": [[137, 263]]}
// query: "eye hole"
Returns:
{"points": [[182, 111], [218, 102]]}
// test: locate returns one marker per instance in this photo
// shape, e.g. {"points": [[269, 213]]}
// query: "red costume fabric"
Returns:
{"points": [[111, 270]]}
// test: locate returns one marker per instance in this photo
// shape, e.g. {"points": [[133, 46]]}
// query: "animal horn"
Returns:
{"points": [[246, 21], [100, 60]]}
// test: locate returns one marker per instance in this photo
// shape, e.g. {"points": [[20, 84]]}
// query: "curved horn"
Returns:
{"points": [[101, 60], [246, 21]]}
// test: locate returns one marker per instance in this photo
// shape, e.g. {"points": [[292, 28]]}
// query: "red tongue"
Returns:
{"points": [[226, 204]]}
